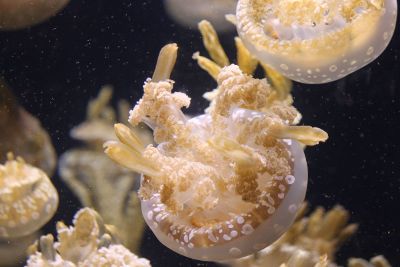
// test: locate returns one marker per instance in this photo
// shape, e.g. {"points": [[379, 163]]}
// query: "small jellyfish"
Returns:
{"points": [[18, 14], [223, 184], [97, 181], [314, 41], [28, 199], [190, 12], [89, 242], [311, 241]]}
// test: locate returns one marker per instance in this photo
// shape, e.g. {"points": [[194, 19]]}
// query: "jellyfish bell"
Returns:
{"points": [[230, 228], [190, 12], [316, 41], [28, 199], [18, 14]]}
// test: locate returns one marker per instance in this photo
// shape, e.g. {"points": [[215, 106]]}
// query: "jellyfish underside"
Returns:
{"points": [[28, 199], [316, 41], [189, 12], [224, 184]]}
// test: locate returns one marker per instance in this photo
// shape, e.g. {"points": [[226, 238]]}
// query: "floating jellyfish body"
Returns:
{"points": [[28, 199], [89, 242], [18, 14], [190, 12], [248, 227], [316, 41], [224, 184]]}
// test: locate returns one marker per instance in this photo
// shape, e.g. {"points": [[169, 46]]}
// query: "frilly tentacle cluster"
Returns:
{"points": [[88, 243], [311, 241], [28, 199]]}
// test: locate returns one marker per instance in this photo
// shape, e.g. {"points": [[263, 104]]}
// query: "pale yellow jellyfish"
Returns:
{"points": [[95, 179], [28, 199], [377, 261], [190, 12], [310, 239], [88, 243], [316, 41], [246, 61], [17, 14], [224, 184]]}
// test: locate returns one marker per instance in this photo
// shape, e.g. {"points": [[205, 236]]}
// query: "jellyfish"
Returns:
{"points": [[311, 241], [316, 41], [89, 242], [189, 12], [28, 199], [223, 184], [95, 179], [246, 62], [18, 14]]}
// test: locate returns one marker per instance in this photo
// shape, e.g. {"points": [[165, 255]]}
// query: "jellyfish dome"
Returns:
{"points": [[28, 199], [316, 41], [223, 184], [190, 12], [18, 14]]}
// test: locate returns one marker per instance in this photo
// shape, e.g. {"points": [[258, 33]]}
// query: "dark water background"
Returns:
{"points": [[56, 67]]}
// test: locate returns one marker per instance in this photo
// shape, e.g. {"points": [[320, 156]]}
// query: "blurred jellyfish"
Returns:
{"points": [[312, 241], [28, 199], [18, 14], [377, 261], [95, 179], [88, 243], [190, 12], [316, 41], [246, 61], [22, 134]]}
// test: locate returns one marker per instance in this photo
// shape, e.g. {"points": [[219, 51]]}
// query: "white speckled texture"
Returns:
{"points": [[326, 62]]}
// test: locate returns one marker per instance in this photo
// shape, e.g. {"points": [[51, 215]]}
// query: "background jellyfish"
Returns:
{"points": [[245, 60], [22, 134], [311, 241], [96, 180], [28, 200], [190, 12], [316, 41], [17, 14], [220, 185], [89, 242]]}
